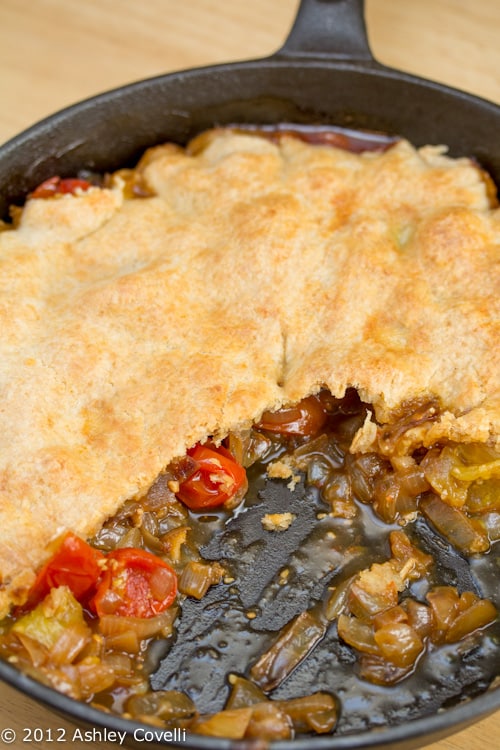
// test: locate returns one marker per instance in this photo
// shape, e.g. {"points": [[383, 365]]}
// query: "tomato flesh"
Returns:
{"points": [[305, 418], [217, 477], [74, 564], [135, 583], [58, 186]]}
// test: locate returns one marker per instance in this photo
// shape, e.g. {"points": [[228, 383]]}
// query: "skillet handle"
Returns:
{"points": [[332, 29]]}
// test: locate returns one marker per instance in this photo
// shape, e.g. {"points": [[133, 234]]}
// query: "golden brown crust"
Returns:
{"points": [[258, 273]]}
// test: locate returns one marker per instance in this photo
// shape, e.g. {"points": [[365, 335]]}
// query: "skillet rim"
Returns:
{"points": [[425, 729], [272, 64], [276, 60]]}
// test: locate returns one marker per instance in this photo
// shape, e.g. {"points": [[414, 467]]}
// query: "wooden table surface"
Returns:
{"points": [[56, 52]]}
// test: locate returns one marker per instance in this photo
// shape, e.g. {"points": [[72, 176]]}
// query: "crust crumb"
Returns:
{"points": [[282, 470], [365, 438], [278, 521]]}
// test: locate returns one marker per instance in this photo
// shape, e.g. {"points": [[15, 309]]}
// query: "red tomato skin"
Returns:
{"points": [[126, 581], [305, 418], [74, 564], [201, 490], [57, 186]]}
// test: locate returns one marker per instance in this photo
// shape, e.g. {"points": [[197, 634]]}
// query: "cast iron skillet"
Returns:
{"points": [[324, 73]]}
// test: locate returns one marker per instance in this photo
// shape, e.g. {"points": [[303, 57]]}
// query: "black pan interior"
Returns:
{"points": [[306, 83], [215, 637], [113, 129]]}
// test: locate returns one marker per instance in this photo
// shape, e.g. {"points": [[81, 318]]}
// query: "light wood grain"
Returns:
{"points": [[56, 52]]}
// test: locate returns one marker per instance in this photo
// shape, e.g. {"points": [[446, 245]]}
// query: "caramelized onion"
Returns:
{"points": [[438, 467], [296, 640], [37, 652], [444, 602], [358, 634], [274, 720], [231, 724], [248, 447], [480, 613], [69, 644], [404, 551], [167, 705], [316, 712], [413, 416], [337, 601], [378, 670], [323, 447], [389, 617], [94, 677], [395, 495], [454, 526], [419, 617], [364, 470], [131, 538], [375, 610], [399, 643], [243, 693], [269, 722], [197, 578], [173, 540], [484, 496], [143, 627], [375, 589]]}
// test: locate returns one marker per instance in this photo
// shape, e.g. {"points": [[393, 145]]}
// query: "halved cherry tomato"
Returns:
{"points": [[134, 583], [74, 564], [58, 186], [305, 418], [217, 477]]}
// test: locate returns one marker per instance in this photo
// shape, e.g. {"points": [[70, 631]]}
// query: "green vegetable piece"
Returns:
{"points": [[46, 623]]}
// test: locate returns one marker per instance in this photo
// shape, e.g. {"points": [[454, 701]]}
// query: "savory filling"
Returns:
{"points": [[100, 609], [272, 579]]}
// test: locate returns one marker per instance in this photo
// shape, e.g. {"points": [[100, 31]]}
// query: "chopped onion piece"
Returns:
{"points": [[484, 496], [454, 526], [375, 589], [438, 468], [127, 641], [337, 601], [243, 693], [378, 670], [197, 578], [94, 677], [363, 471], [143, 627], [481, 613], [37, 652], [323, 448], [173, 540], [296, 640], [393, 435], [483, 471], [70, 643], [132, 538], [419, 617], [168, 705], [360, 635], [269, 722], [399, 643], [228, 724], [316, 712], [403, 550], [390, 617], [444, 602]]}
